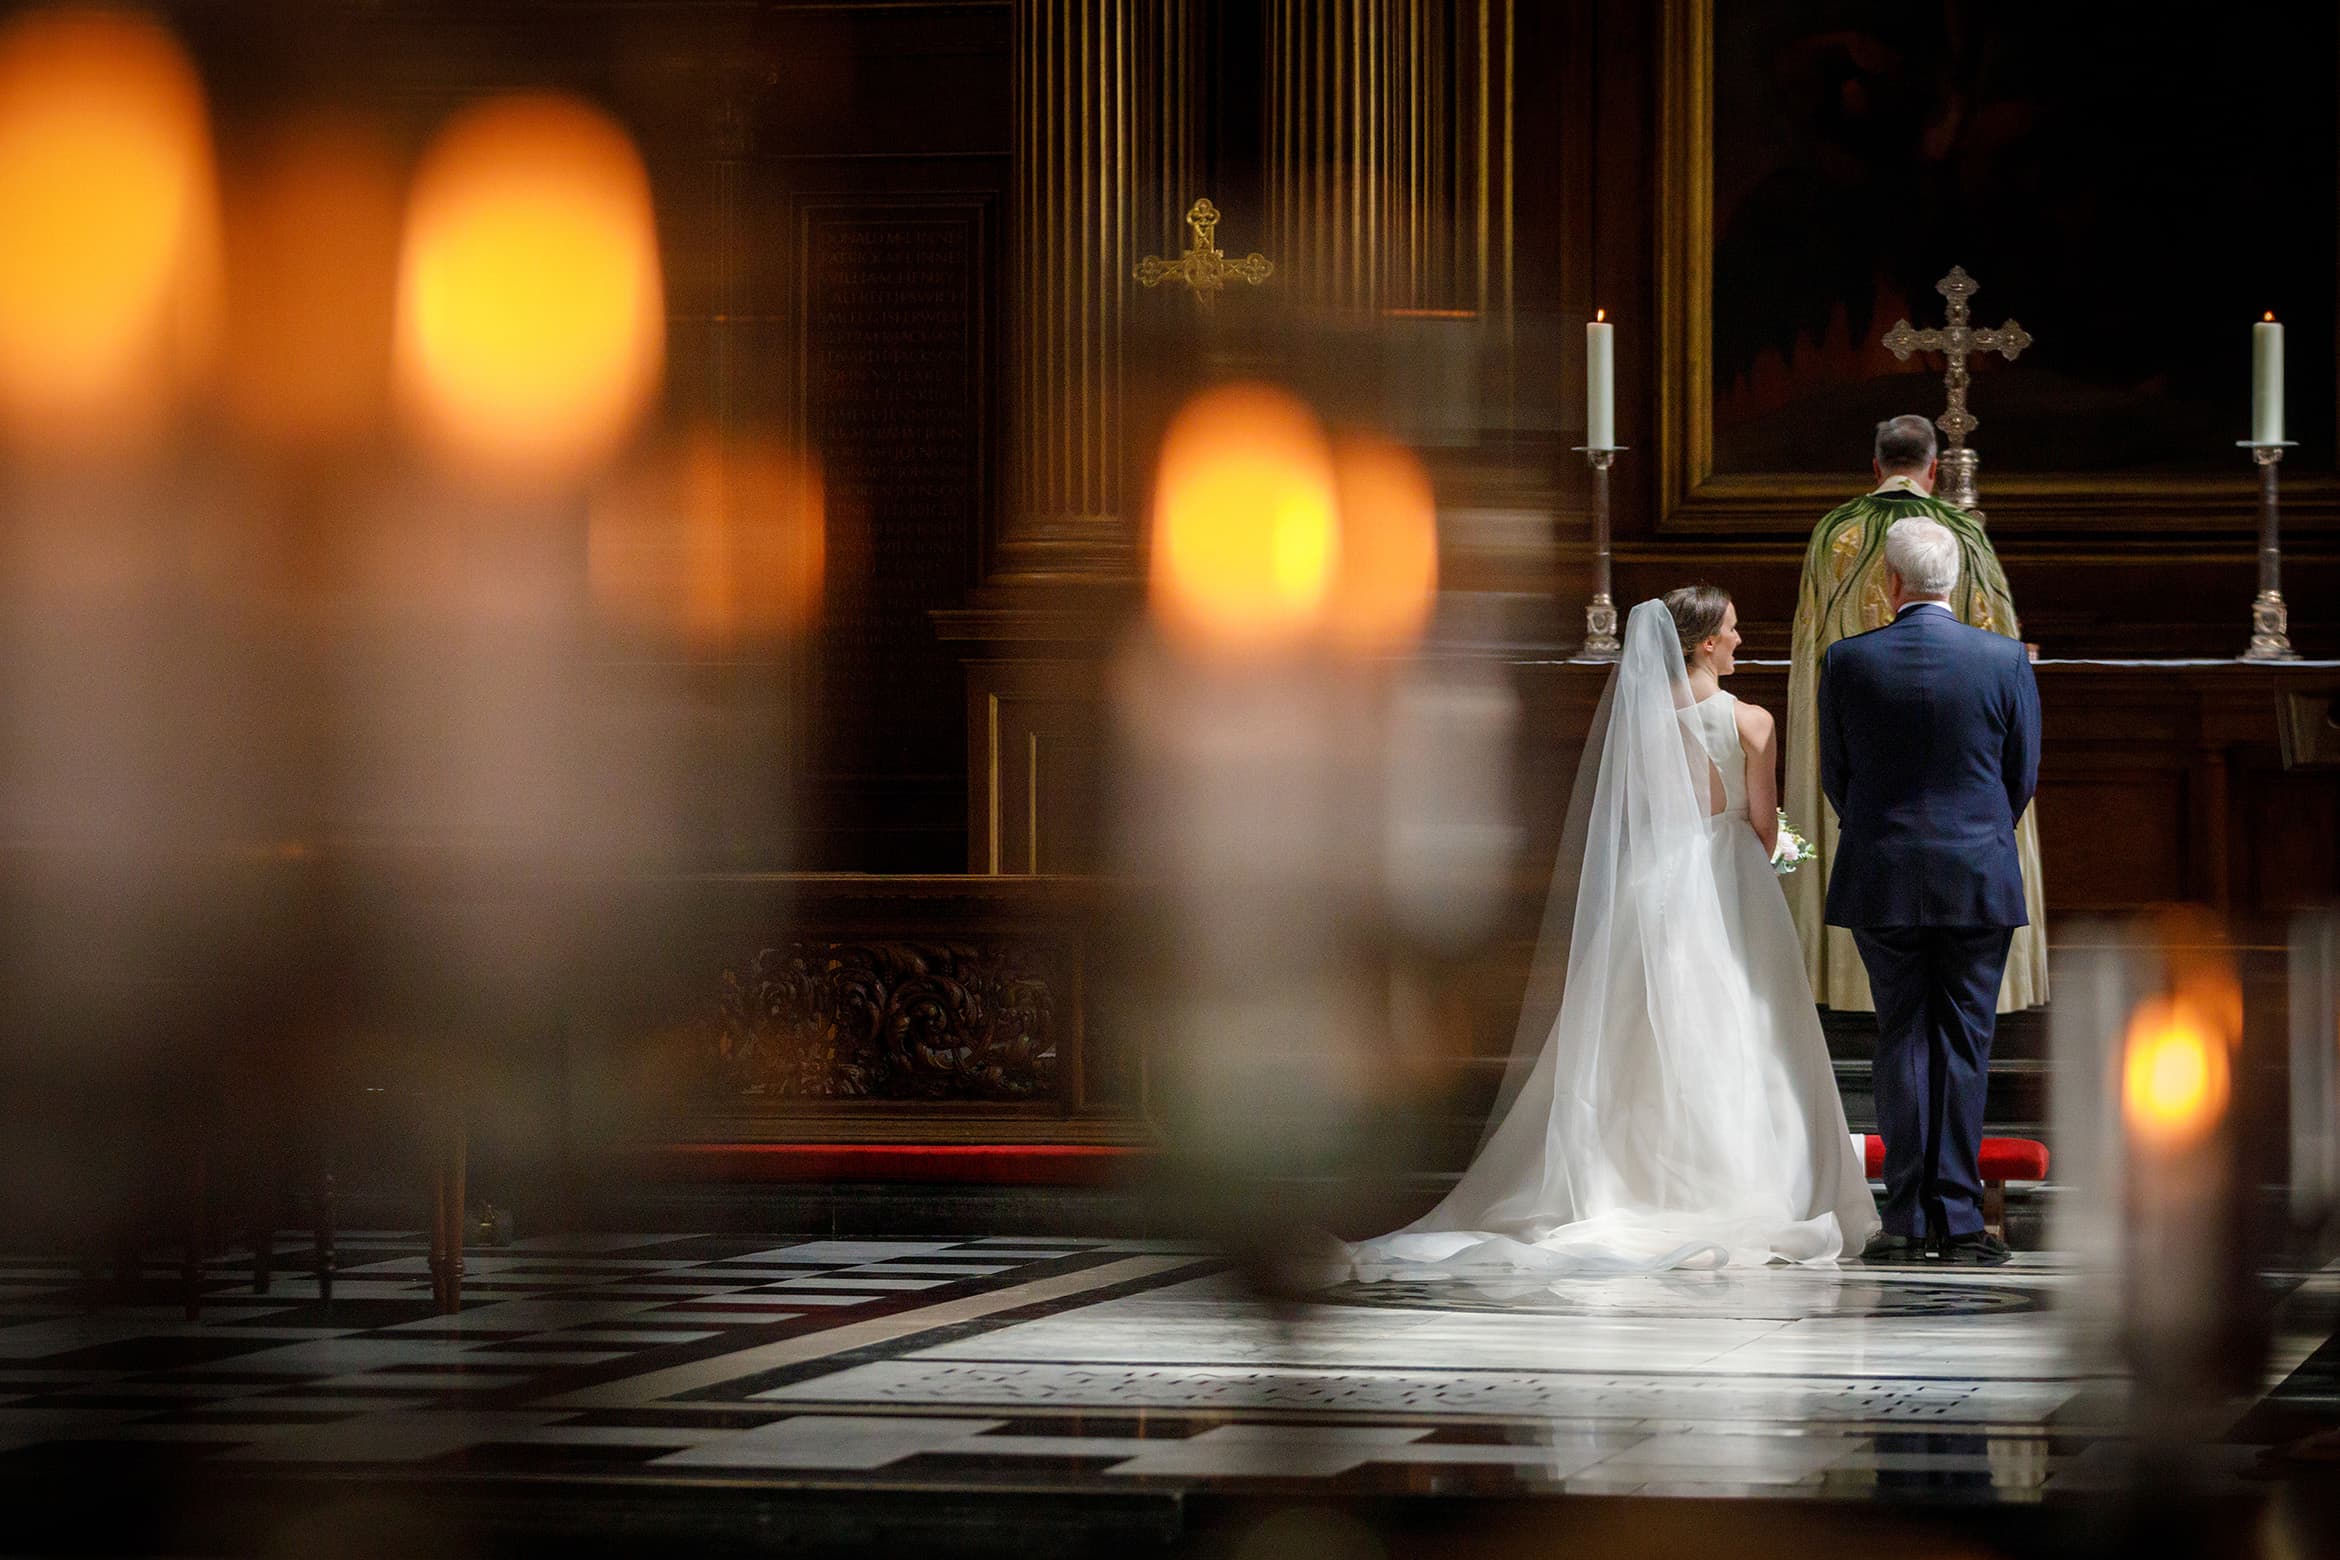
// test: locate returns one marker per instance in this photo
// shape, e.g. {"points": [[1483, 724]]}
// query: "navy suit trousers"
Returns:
{"points": [[1937, 990]]}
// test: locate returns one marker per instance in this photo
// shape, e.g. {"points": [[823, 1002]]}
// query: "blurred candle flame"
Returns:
{"points": [[108, 228], [312, 245], [1246, 538], [1388, 575], [2175, 1071], [530, 328], [717, 541]]}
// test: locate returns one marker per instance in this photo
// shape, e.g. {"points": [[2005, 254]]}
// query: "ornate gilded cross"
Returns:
{"points": [[1955, 341], [1204, 267]]}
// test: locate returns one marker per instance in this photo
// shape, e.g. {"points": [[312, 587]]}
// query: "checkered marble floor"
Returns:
{"points": [[1081, 1364]]}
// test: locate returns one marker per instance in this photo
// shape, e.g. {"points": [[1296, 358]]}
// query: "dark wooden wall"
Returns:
{"points": [[830, 182], [883, 157], [834, 181]]}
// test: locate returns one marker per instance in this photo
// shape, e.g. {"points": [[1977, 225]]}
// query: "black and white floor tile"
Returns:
{"points": [[1085, 1364]]}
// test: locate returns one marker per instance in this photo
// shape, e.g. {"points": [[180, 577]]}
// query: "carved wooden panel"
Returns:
{"points": [[843, 1007], [885, 1020]]}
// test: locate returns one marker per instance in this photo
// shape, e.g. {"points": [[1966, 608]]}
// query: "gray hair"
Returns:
{"points": [[1924, 554], [1905, 444]]}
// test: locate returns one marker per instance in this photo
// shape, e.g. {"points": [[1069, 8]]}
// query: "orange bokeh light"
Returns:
{"points": [[312, 247], [2175, 1071], [530, 325], [109, 264], [1388, 576], [1246, 538], [716, 541]]}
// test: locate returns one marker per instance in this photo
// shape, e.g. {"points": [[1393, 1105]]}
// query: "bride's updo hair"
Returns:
{"points": [[1698, 614]]}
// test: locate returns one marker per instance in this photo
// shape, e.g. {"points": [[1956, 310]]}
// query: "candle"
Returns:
{"points": [[2267, 382], [1246, 543], [1387, 578], [1600, 382], [108, 196], [530, 327], [2174, 1076]]}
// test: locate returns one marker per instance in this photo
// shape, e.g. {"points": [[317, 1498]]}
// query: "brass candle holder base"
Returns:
{"points": [[1600, 630], [2270, 619], [2270, 629], [1600, 614]]}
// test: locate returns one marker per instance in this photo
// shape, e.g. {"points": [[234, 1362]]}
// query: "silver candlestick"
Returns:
{"points": [[1600, 613], [2270, 620]]}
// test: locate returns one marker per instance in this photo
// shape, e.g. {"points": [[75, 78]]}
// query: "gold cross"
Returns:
{"points": [[1204, 267], [1954, 341]]}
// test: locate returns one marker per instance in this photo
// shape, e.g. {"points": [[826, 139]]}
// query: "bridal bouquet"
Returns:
{"points": [[1792, 851]]}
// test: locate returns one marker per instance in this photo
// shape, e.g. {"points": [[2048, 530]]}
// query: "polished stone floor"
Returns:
{"points": [[1088, 1366]]}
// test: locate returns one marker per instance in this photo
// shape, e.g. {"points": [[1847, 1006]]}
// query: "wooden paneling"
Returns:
{"points": [[2291, 833], [883, 80], [2084, 808], [868, 246], [1040, 749], [819, 1008], [2157, 783], [897, 361]]}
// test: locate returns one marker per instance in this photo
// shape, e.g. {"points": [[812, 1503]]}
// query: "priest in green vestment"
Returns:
{"points": [[1843, 593]]}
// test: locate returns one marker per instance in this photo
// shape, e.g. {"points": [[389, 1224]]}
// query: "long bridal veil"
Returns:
{"points": [[1645, 1121]]}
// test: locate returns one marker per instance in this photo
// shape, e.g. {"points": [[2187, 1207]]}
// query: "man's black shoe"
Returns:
{"points": [[1894, 1248], [1981, 1249]]}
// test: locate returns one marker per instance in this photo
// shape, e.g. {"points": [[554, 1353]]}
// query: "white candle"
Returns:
{"points": [[2267, 382], [1600, 382]]}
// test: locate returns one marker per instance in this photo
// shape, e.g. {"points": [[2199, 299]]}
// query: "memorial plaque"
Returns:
{"points": [[896, 363]]}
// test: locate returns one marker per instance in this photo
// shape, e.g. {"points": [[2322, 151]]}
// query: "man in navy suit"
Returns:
{"points": [[1929, 752]]}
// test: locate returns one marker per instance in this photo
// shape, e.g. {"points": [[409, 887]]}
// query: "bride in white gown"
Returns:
{"points": [[1677, 1110]]}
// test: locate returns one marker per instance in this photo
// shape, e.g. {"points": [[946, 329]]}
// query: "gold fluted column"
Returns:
{"points": [[1106, 129], [1390, 153]]}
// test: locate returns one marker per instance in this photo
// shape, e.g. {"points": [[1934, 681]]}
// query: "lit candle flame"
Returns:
{"points": [[312, 242], [716, 542], [1387, 581], [1245, 533], [530, 327], [2175, 1073], [1600, 315], [109, 265], [2269, 316]]}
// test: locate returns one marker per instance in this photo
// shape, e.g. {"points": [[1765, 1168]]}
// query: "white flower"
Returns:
{"points": [[1791, 850]]}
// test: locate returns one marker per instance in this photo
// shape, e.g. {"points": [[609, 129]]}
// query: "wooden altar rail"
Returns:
{"points": [[845, 1008], [2168, 780], [2212, 782], [2160, 780]]}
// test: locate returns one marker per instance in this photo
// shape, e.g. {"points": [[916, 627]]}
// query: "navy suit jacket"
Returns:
{"points": [[1929, 752]]}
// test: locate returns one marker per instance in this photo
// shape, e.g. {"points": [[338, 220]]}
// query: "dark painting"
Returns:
{"points": [[2135, 184]]}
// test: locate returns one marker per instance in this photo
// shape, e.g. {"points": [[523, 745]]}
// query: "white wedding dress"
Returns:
{"points": [[1677, 1109]]}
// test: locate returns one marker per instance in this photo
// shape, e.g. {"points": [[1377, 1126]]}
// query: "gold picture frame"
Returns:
{"points": [[1693, 499]]}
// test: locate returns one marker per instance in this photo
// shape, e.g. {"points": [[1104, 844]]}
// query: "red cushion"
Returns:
{"points": [[976, 1164], [2003, 1159]]}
